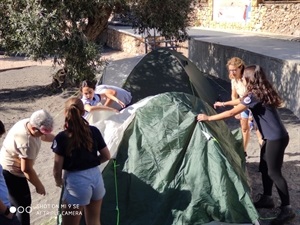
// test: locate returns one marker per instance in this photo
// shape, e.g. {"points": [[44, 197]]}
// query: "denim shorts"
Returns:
{"points": [[84, 186], [245, 114]]}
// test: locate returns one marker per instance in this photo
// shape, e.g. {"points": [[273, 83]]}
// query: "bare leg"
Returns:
{"points": [[245, 132], [71, 215], [92, 212]]}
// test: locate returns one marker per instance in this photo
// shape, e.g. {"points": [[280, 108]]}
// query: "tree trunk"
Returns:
{"points": [[97, 24]]}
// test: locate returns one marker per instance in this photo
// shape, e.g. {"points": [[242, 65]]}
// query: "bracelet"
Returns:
{"points": [[223, 104]]}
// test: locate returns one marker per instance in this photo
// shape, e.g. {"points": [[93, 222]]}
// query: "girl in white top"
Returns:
{"points": [[91, 100], [235, 68]]}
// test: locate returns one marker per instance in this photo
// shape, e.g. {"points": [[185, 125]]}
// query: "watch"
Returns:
{"points": [[6, 211]]}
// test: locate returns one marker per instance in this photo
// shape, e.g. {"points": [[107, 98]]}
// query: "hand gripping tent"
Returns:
{"points": [[167, 168]]}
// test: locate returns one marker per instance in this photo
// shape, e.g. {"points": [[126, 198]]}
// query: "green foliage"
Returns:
{"points": [[169, 17], [30, 29], [66, 30], [41, 29], [82, 57]]}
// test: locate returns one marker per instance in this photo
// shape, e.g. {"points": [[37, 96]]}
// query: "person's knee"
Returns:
{"points": [[245, 130], [274, 175], [244, 126]]}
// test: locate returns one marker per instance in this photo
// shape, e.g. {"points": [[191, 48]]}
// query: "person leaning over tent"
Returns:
{"points": [[235, 68], [92, 101], [18, 153], [106, 91], [76, 152], [263, 100]]}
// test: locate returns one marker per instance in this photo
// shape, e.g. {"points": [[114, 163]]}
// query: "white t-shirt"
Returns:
{"points": [[122, 95], [239, 87], [95, 101], [18, 144]]}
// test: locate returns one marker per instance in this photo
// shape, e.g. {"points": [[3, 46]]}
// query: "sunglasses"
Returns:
{"points": [[43, 130]]}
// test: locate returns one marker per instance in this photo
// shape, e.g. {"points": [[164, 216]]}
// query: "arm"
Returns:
{"points": [[57, 170], [3, 209], [228, 103], [105, 155], [234, 95], [90, 108], [47, 137], [227, 114], [110, 95], [31, 176]]}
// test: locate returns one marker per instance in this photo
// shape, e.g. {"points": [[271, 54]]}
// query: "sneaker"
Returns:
{"points": [[264, 201], [285, 215]]}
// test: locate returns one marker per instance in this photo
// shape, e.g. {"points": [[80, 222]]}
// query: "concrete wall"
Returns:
{"points": [[284, 75]]}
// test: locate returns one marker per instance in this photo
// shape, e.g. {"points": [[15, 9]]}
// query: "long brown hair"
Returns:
{"points": [[258, 84], [237, 62], [76, 127]]}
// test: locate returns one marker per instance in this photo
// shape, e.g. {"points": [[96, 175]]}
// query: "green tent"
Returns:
{"points": [[162, 70], [170, 169]]}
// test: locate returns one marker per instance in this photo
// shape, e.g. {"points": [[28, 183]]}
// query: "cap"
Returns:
{"points": [[42, 120]]}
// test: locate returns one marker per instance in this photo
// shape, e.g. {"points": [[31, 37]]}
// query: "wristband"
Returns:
{"points": [[6, 211]]}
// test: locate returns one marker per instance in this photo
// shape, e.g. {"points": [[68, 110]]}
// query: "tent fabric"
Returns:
{"points": [[113, 125], [164, 70], [116, 72], [171, 169], [167, 168]]}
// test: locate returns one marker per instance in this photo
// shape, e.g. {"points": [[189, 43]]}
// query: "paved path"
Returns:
{"points": [[277, 46], [274, 46]]}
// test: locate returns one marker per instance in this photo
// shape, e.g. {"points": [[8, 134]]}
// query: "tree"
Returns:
{"points": [[68, 30], [170, 18]]}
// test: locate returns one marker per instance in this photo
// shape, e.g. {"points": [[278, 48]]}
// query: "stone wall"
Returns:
{"points": [[123, 41], [277, 18], [135, 44], [274, 17]]}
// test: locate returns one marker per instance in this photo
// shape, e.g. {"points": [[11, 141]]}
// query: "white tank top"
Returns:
{"points": [[239, 87]]}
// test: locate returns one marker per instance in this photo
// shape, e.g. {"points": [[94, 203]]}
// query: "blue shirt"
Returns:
{"points": [[266, 117], [3, 190]]}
